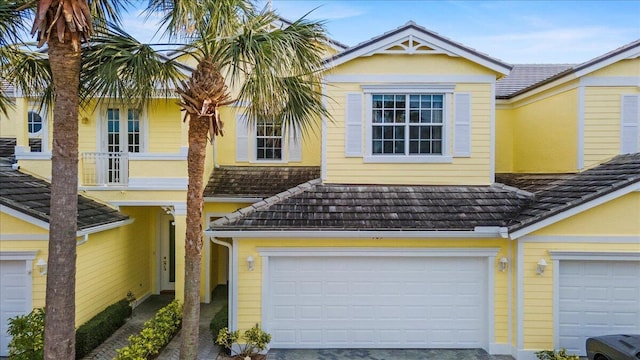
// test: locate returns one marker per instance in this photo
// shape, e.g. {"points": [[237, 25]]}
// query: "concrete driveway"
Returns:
{"points": [[383, 354]]}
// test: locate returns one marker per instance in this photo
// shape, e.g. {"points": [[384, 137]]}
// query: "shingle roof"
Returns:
{"points": [[257, 181], [562, 192], [526, 199], [525, 76], [31, 196], [316, 206], [6, 88]]}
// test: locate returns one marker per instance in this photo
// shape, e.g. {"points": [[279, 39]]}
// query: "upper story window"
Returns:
{"points": [[123, 130], [34, 122], [407, 124], [268, 141]]}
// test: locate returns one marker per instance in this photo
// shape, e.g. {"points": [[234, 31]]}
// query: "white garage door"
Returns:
{"points": [[597, 298], [377, 302], [15, 290]]}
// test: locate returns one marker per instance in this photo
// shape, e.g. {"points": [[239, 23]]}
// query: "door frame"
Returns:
{"points": [[163, 235]]}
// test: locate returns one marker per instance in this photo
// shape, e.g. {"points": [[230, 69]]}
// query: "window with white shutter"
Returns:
{"points": [[353, 125], [462, 125], [630, 124]]}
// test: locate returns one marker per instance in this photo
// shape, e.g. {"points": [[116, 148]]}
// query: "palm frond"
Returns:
{"points": [[12, 14], [30, 73], [105, 11], [116, 65]]}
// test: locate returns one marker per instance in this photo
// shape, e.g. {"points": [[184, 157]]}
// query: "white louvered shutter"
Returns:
{"points": [[353, 125], [242, 138], [462, 125], [630, 131], [295, 146]]}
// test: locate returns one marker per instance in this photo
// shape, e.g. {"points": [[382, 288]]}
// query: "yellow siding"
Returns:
{"points": [[602, 122], [114, 262], [12, 225], [504, 140], [132, 195], [620, 216], [411, 64], [250, 282], [630, 67], [538, 290], [474, 170], [39, 282], [8, 123], [226, 145], [545, 132]]}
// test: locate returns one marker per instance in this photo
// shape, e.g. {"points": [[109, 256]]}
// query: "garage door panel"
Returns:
{"points": [[378, 302], [597, 298], [15, 290]]}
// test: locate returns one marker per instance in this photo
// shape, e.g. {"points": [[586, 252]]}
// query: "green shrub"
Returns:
{"points": [[27, 333], [220, 320], [95, 331], [155, 334], [256, 340], [556, 355]]}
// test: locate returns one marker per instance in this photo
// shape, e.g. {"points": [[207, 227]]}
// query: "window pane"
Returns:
{"points": [[388, 101], [34, 122], [437, 116], [400, 116], [268, 141], [377, 101], [377, 132], [414, 116], [377, 147], [388, 116], [377, 116], [425, 116]]}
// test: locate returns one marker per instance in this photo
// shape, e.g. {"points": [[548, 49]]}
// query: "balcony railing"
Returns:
{"points": [[102, 168]]}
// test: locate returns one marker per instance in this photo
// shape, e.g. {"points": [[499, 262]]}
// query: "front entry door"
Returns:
{"points": [[168, 255]]}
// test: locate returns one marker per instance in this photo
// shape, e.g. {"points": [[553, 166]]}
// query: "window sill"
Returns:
{"points": [[399, 159]]}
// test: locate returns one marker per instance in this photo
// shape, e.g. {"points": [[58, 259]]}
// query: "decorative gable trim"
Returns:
{"points": [[627, 52], [413, 39]]}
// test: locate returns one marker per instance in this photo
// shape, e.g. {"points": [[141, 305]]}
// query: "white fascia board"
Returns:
{"points": [[445, 47], [595, 255], [574, 211], [629, 54], [18, 255], [99, 228], [24, 217], [232, 200], [402, 234], [377, 251]]}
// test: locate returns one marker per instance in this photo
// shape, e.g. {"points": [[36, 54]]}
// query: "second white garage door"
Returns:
{"points": [[597, 298], [377, 302], [15, 296]]}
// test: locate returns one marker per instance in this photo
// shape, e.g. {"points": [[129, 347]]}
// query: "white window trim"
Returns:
{"points": [[43, 133], [102, 130], [253, 148], [405, 89]]}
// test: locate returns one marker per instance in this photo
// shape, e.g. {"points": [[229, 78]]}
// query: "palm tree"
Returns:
{"points": [[64, 25], [11, 24], [277, 72]]}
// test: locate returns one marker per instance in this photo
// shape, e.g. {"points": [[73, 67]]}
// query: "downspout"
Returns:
{"points": [[230, 272]]}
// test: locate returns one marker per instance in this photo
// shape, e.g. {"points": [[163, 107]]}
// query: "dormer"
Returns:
{"points": [[412, 106]]}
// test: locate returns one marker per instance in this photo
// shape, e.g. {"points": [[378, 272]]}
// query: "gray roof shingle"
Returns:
{"points": [[526, 199], [257, 181], [31, 196], [525, 76]]}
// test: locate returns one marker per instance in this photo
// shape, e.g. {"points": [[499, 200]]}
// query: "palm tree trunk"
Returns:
{"points": [[59, 336], [198, 129]]}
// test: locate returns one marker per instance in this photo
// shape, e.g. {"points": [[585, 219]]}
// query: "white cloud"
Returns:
{"points": [[320, 10]]}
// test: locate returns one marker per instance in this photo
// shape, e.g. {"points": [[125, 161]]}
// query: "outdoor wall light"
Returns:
{"points": [[503, 264], [250, 262], [42, 266], [542, 264]]}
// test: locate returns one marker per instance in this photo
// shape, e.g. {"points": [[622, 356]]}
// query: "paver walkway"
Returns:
{"points": [[144, 312]]}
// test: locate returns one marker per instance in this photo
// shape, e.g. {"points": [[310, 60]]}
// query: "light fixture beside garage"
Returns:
{"points": [[250, 262], [503, 264], [542, 264], [42, 266]]}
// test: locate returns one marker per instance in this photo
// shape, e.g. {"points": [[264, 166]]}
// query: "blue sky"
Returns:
{"points": [[513, 31]]}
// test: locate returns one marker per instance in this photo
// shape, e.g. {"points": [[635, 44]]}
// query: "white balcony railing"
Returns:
{"points": [[102, 168]]}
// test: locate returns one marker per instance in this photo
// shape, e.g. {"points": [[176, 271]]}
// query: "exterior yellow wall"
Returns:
{"points": [[602, 121], [505, 138], [630, 67], [411, 64], [12, 225], [225, 148], [8, 123], [545, 133], [250, 282], [620, 216], [474, 170], [538, 290]]}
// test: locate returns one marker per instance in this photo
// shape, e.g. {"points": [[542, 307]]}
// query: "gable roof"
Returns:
{"points": [[556, 194], [427, 42], [30, 196], [318, 207], [526, 77], [527, 199], [256, 181]]}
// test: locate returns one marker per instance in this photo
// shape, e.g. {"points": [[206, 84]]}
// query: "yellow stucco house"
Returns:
{"points": [[450, 201]]}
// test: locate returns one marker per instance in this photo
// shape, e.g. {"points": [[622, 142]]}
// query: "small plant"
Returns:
{"points": [[95, 331], [556, 355], [256, 341], [27, 332], [155, 334]]}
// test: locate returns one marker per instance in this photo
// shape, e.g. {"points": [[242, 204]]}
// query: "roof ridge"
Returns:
{"points": [[266, 203], [514, 189]]}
